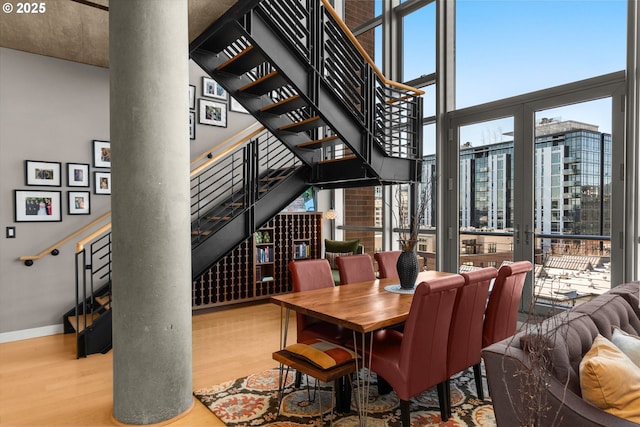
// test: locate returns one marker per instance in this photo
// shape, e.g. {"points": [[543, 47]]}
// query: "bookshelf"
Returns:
{"points": [[257, 267]]}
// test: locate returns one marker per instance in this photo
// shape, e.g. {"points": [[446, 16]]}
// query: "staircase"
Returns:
{"points": [[331, 121], [294, 66]]}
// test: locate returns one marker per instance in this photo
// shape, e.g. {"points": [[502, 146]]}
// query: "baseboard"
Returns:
{"points": [[31, 333]]}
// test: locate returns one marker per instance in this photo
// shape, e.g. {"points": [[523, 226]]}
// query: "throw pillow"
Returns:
{"points": [[331, 257], [342, 246], [628, 343], [610, 380], [323, 354]]}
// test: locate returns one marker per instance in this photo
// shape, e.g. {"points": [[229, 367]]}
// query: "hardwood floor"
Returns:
{"points": [[43, 384]]}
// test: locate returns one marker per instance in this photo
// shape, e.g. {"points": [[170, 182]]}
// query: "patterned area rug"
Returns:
{"points": [[253, 401]]}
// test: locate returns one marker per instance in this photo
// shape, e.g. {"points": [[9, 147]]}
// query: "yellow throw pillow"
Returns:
{"points": [[610, 380], [323, 354]]}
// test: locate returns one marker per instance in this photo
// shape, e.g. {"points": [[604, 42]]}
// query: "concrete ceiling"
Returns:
{"points": [[78, 30]]}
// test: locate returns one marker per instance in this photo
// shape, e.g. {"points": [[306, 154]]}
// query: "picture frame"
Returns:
{"points": [[192, 125], [45, 174], [101, 154], [213, 113], [102, 183], [77, 174], [79, 202], [37, 206], [212, 89], [192, 97], [234, 105]]}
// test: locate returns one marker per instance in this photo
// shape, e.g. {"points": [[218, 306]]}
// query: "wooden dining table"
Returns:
{"points": [[363, 307]]}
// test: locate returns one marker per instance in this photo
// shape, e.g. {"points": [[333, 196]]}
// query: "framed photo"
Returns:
{"points": [[79, 202], [43, 173], [37, 206], [102, 182], [192, 125], [211, 89], [77, 175], [213, 113], [101, 154], [236, 106], [192, 97]]}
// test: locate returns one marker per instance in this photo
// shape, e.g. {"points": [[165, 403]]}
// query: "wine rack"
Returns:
{"points": [[257, 267]]}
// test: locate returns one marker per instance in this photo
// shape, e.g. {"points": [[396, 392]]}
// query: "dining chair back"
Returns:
{"points": [[465, 333], [501, 315], [415, 360], [355, 268], [387, 263], [308, 275]]}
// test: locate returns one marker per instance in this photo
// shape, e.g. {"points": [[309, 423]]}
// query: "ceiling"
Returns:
{"points": [[78, 30]]}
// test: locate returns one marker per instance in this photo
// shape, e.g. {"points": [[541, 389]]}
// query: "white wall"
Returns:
{"points": [[51, 110]]}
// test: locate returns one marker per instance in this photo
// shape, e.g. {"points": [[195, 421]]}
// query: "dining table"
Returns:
{"points": [[362, 307]]}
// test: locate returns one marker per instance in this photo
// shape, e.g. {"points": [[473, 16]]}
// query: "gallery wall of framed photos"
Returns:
{"points": [[73, 180]]}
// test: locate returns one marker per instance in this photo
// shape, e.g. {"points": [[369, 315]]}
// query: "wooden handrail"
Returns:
{"points": [[90, 237], [364, 53], [55, 246], [231, 138], [228, 150]]}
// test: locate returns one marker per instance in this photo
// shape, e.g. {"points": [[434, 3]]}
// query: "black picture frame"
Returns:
{"points": [[192, 97], [79, 202], [37, 206], [212, 113], [101, 154], [212, 89], [102, 182], [78, 175], [43, 174], [192, 125]]}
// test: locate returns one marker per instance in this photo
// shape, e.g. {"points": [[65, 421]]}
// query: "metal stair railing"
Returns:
{"points": [[244, 174], [388, 112]]}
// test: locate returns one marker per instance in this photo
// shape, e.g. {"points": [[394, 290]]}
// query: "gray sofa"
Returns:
{"points": [[573, 332]]}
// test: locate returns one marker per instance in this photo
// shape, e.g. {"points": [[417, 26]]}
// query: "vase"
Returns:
{"points": [[407, 267]]}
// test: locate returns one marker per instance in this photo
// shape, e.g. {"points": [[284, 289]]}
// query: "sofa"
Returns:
{"points": [[568, 338], [336, 248]]}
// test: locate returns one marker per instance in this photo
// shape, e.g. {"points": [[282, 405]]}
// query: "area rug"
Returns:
{"points": [[253, 401]]}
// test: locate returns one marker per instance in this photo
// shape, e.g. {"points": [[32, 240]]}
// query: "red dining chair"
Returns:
{"points": [[415, 360], [465, 333], [308, 275], [387, 263], [355, 268], [501, 315]]}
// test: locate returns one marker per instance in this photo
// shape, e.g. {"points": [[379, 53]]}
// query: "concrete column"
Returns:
{"points": [[148, 56]]}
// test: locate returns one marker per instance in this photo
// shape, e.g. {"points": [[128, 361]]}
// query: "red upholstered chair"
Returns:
{"points": [[501, 315], [308, 275], [415, 360], [355, 268], [465, 333], [387, 263]]}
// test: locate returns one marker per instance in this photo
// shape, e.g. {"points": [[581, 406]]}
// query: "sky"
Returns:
{"points": [[511, 47]]}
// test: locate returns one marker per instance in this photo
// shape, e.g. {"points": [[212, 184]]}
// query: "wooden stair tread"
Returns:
{"points": [[287, 105], [319, 143], [264, 84], [304, 125], [81, 324], [244, 61], [341, 159], [104, 301], [218, 218], [200, 233]]}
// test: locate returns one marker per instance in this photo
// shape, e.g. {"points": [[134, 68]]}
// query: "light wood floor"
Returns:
{"points": [[43, 384]]}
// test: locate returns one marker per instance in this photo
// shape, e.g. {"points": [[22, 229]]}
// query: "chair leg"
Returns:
{"points": [[477, 373], [445, 406], [405, 413], [298, 380], [447, 397]]}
